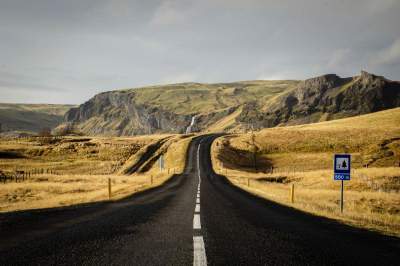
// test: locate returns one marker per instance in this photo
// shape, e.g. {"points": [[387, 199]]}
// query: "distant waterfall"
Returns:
{"points": [[190, 128]]}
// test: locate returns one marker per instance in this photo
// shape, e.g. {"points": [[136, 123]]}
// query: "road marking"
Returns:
{"points": [[196, 221], [199, 252], [198, 162]]}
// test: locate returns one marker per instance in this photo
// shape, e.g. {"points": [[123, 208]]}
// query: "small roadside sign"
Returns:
{"points": [[342, 166], [341, 171]]}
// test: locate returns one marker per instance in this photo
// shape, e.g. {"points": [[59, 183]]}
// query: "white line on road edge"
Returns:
{"points": [[199, 252], [197, 209], [196, 221], [197, 200]]}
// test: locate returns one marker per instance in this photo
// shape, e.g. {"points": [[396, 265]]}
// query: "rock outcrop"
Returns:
{"points": [[324, 98], [116, 113]]}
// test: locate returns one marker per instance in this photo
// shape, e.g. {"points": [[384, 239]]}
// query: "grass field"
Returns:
{"points": [[302, 156], [80, 170]]}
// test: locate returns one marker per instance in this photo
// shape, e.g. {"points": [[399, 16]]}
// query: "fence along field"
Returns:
{"points": [[72, 170], [302, 156]]}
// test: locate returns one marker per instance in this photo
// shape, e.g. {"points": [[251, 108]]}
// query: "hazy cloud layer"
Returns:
{"points": [[66, 51]]}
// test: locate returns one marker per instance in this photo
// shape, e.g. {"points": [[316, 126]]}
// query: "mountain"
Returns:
{"points": [[324, 98], [170, 108], [31, 117], [238, 106]]}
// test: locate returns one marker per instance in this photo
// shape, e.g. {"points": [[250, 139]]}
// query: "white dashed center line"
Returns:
{"points": [[199, 250], [196, 222]]}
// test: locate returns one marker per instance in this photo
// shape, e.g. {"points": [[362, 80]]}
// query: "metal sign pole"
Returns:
{"points": [[341, 197]]}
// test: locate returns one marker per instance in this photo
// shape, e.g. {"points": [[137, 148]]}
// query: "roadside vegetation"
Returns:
{"points": [[270, 161], [62, 171]]}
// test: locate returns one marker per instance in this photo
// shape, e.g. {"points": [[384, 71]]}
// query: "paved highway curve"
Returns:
{"points": [[196, 218]]}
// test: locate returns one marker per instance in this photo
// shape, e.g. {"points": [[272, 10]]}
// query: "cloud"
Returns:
{"points": [[388, 56], [168, 13], [77, 48], [374, 6]]}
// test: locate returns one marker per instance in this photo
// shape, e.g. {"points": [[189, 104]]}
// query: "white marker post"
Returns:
{"points": [[161, 162]]}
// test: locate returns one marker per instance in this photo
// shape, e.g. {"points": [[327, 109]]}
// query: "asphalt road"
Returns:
{"points": [[196, 218]]}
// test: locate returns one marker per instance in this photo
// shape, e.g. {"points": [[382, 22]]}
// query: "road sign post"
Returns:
{"points": [[342, 170], [292, 193], [109, 188]]}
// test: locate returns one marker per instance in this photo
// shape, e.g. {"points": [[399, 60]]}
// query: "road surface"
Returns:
{"points": [[197, 218]]}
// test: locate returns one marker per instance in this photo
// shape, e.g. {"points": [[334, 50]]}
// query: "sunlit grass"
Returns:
{"points": [[83, 179], [302, 155]]}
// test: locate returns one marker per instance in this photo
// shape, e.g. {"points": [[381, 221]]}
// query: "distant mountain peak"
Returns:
{"points": [[321, 83]]}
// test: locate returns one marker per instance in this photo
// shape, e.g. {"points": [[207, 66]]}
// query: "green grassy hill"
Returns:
{"points": [[31, 117], [192, 98]]}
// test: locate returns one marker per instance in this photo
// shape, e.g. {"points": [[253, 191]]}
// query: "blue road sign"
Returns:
{"points": [[342, 166]]}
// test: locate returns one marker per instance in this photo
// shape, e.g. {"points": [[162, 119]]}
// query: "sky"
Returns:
{"points": [[54, 51]]}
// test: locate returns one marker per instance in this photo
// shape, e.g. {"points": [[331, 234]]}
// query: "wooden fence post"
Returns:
{"points": [[292, 193], [109, 188]]}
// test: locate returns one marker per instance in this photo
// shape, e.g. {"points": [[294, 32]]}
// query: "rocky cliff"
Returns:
{"points": [[233, 106], [117, 113], [167, 109], [324, 98]]}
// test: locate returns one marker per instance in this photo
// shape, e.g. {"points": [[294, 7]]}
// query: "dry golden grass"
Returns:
{"points": [[76, 182], [302, 155], [225, 122], [372, 139], [45, 191], [72, 155]]}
